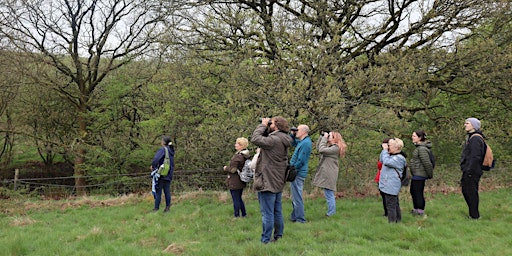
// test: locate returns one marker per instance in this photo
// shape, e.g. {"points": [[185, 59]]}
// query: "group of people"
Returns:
{"points": [[274, 138], [392, 166]]}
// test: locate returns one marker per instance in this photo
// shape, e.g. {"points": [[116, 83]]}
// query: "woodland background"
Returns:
{"points": [[89, 87]]}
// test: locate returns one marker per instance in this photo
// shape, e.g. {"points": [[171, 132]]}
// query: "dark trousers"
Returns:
{"points": [[393, 206], [164, 185], [469, 184], [238, 203], [417, 193], [383, 195]]}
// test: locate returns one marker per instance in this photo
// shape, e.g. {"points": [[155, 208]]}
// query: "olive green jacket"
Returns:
{"points": [[420, 164]]}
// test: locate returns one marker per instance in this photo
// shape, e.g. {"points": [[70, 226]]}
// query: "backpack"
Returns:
{"points": [[489, 161], [406, 177], [432, 158], [432, 161], [163, 170], [247, 173]]}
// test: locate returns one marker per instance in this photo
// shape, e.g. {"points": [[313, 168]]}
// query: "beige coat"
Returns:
{"points": [[327, 172], [272, 161]]}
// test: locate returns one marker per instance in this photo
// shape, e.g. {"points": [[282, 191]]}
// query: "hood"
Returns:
{"points": [[245, 153], [427, 144]]}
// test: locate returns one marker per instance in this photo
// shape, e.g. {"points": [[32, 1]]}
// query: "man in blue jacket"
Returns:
{"points": [[300, 159]]}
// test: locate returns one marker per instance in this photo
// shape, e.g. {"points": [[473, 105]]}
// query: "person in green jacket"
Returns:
{"points": [[421, 170]]}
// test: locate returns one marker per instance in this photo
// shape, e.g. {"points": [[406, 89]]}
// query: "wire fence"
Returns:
{"points": [[354, 179], [57, 187]]}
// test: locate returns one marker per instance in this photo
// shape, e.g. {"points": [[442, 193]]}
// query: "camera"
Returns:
{"points": [[294, 129], [322, 132]]}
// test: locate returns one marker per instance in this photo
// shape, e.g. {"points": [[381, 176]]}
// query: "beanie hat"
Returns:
{"points": [[474, 122]]}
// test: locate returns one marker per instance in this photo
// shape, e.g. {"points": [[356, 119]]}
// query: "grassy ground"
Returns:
{"points": [[202, 224]]}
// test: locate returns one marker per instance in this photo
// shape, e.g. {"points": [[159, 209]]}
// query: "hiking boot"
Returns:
{"points": [[167, 209], [275, 239]]}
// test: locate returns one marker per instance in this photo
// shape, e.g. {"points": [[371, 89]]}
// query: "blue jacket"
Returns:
{"points": [[300, 158], [392, 169], [159, 160]]}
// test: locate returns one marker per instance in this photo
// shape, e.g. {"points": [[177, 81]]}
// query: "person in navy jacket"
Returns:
{"points": [[163, 182]]}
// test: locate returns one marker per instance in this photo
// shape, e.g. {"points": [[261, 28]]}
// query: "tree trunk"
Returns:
{"points": [[79, 172]]}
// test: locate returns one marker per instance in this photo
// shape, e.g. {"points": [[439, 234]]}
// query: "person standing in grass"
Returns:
{"points": [[393, 167], [421, 169], [384, 145], [331, 147], [269, 177], [471, 161], [163, 182], [300, 160], [235, 185]]}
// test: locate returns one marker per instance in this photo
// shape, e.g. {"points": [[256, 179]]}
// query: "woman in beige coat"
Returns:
{"points": [[331, 147]]}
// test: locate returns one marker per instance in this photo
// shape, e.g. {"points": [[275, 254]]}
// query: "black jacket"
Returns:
{"points": [[473, 154]]}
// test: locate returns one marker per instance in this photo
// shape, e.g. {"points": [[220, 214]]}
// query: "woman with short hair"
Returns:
{"points": [[235, 184], [393, 167]]}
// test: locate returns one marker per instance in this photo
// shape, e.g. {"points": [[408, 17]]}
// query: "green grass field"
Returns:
{"points": [[201, 223]]}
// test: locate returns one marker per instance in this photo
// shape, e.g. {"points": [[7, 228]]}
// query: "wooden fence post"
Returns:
{"points": [[16, 176]]}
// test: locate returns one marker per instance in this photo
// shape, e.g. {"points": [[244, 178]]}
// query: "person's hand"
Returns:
{"points": [[385, 146], [265, 121], [327, 134], [225, 167]]}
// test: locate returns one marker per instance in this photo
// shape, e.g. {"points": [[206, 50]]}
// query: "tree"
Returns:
{"points": [[315, 47], [323, 62], [78, 44], [8, 92]]}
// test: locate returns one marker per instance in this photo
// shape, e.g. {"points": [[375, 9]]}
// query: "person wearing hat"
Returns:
{"points": [[472, 157]]}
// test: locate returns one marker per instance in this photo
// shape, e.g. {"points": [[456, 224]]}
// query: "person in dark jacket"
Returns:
{"points": [[163, 182], [471, 161], [421, 170], [269, 177], [235, 185]]}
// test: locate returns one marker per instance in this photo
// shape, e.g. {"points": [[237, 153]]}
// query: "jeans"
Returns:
{"points": [[271, 215], [417, 190], [297, 202], [331, 202], [238, 203], [393, 206], [469, 183], [166, 186]]}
